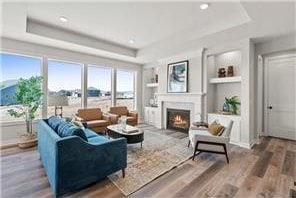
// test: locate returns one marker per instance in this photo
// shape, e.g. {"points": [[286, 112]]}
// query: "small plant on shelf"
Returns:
{"points": [[231, 105]]}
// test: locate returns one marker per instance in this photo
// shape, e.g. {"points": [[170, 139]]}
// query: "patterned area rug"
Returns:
{"points": [[161, 152]]}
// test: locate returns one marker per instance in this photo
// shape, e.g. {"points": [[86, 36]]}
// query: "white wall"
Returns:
{"points": [[194, 71], [279, 45], [20, 47]]}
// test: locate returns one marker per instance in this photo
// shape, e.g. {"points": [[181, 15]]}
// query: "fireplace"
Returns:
{"points": [[178, 119]]}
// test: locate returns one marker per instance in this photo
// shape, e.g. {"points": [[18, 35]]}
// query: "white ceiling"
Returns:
{"points": [[146, 23], [155, 27]]}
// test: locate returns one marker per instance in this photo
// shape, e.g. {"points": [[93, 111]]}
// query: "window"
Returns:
{"points": [[14, 67], [99, 88], [64, 79], [125, 89]]}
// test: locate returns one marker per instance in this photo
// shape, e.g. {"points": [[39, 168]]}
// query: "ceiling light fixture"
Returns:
{"points": [[131, 41], [63, 19], [204, 6]]}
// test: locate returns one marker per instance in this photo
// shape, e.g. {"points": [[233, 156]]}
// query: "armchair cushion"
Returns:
{"points": [[120, 110], [90, 114], [130, 118], [97, 123]]}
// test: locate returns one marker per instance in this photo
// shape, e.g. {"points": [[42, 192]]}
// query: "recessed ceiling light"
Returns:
{"points": [[131, 41], [63, 19], [204, 6]]}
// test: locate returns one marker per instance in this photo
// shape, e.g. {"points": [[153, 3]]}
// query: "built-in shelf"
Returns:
{"points": [[224, 115], [152, 84], [226, 80]]}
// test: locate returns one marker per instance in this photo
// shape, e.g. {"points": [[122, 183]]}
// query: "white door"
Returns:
{"points": [[280, 96]]}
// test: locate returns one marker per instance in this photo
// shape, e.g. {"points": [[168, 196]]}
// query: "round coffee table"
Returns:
{"points": [[132, 134]]}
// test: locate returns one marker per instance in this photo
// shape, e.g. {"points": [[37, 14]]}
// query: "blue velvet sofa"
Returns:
{"points": [[72, 162]]}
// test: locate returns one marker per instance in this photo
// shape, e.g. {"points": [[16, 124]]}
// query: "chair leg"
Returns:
{"points": [[195, 149], [188, 143], [225, 150], [123, 172]]}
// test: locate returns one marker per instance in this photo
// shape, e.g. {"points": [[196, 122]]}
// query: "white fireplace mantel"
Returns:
{"points": [[179, 101]]}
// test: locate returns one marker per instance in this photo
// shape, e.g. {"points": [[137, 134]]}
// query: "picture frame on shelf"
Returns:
{"points": [[177, 77]]}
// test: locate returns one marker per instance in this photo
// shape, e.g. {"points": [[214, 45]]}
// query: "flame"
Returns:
{"points": [[179, 121]]}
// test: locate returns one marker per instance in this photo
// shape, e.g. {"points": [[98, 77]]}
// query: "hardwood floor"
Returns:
{"points": [[267, 170]]}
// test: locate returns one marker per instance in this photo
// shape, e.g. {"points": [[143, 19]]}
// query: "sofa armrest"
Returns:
{"points": [[113, 118], [82, 163], [133, 114]]}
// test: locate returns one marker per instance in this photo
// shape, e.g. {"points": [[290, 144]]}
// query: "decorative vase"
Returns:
{"points": [[226, 107], [123, 120]]}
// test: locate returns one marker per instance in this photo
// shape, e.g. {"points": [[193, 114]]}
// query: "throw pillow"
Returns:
{"points": [[68, 129], [78, 124], [54, 122], [215, 128]]}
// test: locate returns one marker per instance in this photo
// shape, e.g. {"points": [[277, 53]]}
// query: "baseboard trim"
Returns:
{"points": [[245, 145], [8, 145]]}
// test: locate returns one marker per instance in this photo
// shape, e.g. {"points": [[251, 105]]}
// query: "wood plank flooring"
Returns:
{"points": [[267, 170]]}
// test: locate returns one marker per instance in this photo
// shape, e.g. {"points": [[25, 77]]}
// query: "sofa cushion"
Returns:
{"points": [[97, 123], [90, 114], [54, 122], [68, 129], [90, 133], [119, 110], [97, 140]]}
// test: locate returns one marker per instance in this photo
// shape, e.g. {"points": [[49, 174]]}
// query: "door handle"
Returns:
{"points": [[269, 107]]}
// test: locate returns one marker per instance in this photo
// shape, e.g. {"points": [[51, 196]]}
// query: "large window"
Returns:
{"points": [[13, 67], [99, 88], [125, 91], [64, 80]]}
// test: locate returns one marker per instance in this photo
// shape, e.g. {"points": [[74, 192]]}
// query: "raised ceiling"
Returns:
{"points": [[106, 28], [145, 23]]}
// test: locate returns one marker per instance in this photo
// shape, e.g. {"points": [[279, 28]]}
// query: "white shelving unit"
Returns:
{"points": [[219, 88], [152, 84], [233, 79]]}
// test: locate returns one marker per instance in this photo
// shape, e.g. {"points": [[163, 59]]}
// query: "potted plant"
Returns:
{"points": [[231, 105], [28, 96]]}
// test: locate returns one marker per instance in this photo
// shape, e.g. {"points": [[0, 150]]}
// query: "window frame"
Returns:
{"points": [[88, 65], [44, 62], [48, 59], [134, 86], [20, 122]]}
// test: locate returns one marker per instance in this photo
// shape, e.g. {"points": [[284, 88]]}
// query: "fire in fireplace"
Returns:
{"points": [[178, 119]]}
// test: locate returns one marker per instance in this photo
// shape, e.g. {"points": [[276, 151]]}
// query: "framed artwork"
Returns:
{"points": [[178, 77]]}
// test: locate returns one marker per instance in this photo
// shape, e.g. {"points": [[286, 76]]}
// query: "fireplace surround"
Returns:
{"points": [[178, 120]]}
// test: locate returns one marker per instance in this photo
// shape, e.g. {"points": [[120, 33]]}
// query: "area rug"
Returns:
{"points": [[160, 153]]}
